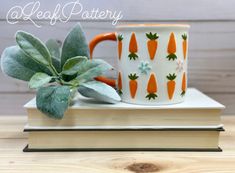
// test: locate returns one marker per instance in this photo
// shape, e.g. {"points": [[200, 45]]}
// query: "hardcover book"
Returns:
{"points": [[193, 125], [197, 110]]}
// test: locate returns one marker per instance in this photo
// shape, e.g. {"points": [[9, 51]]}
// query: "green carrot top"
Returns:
{"points": [[184, 36], [133, 76], [171, 76], [152, 36], [120, 37]]}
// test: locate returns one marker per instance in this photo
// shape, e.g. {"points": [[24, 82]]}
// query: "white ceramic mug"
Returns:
{"points": [[152, 62]]}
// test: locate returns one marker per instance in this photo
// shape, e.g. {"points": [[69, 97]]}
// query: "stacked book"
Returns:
{"points": [[193, 125]]}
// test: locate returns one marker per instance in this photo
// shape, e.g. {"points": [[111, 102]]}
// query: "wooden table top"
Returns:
{"points": [[13, 160]]}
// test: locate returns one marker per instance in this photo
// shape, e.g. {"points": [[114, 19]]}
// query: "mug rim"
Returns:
{"points": [[149, 25]]}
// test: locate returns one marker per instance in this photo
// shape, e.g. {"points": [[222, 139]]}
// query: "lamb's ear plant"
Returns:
{"points": [[57, 73]]}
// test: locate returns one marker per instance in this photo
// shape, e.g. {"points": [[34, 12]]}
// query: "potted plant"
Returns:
{"points": [[57, 74]]}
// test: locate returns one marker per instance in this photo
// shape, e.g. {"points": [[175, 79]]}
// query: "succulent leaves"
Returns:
{"points": [[44, 64]]}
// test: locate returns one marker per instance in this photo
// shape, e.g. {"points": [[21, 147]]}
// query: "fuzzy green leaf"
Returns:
{"points": [[33, 47], [68, 78], [56, 64], [38, 80], [73, 65], [74, 45], [53, 100], [99, 91], [15, 63], [54, 48], [91, 69]]}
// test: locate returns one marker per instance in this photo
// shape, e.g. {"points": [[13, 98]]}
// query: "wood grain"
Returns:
{"points": [[13, 160]]}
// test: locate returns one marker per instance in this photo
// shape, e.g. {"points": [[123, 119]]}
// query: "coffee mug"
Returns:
{"points": [[152, 62]]}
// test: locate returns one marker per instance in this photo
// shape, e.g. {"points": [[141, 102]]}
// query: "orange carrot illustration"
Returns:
{"points": [[152, 87], [133, 84], [171, 48], [120, 38], [171, 85], [185, 45], [183, 87], [152, 44], [133, 48], [119, 83]]}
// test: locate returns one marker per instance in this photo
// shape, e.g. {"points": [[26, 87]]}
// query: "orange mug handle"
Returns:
{"points": [[97, 39]]}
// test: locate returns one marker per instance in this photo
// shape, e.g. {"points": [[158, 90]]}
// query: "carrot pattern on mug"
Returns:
{"points": [[151, 63], [120, 38], [119, 83], [183, 86], [152, 44], [171, 49], [133, 47], [171, 85], [133, 84], [184, 45], [152, 87]]}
